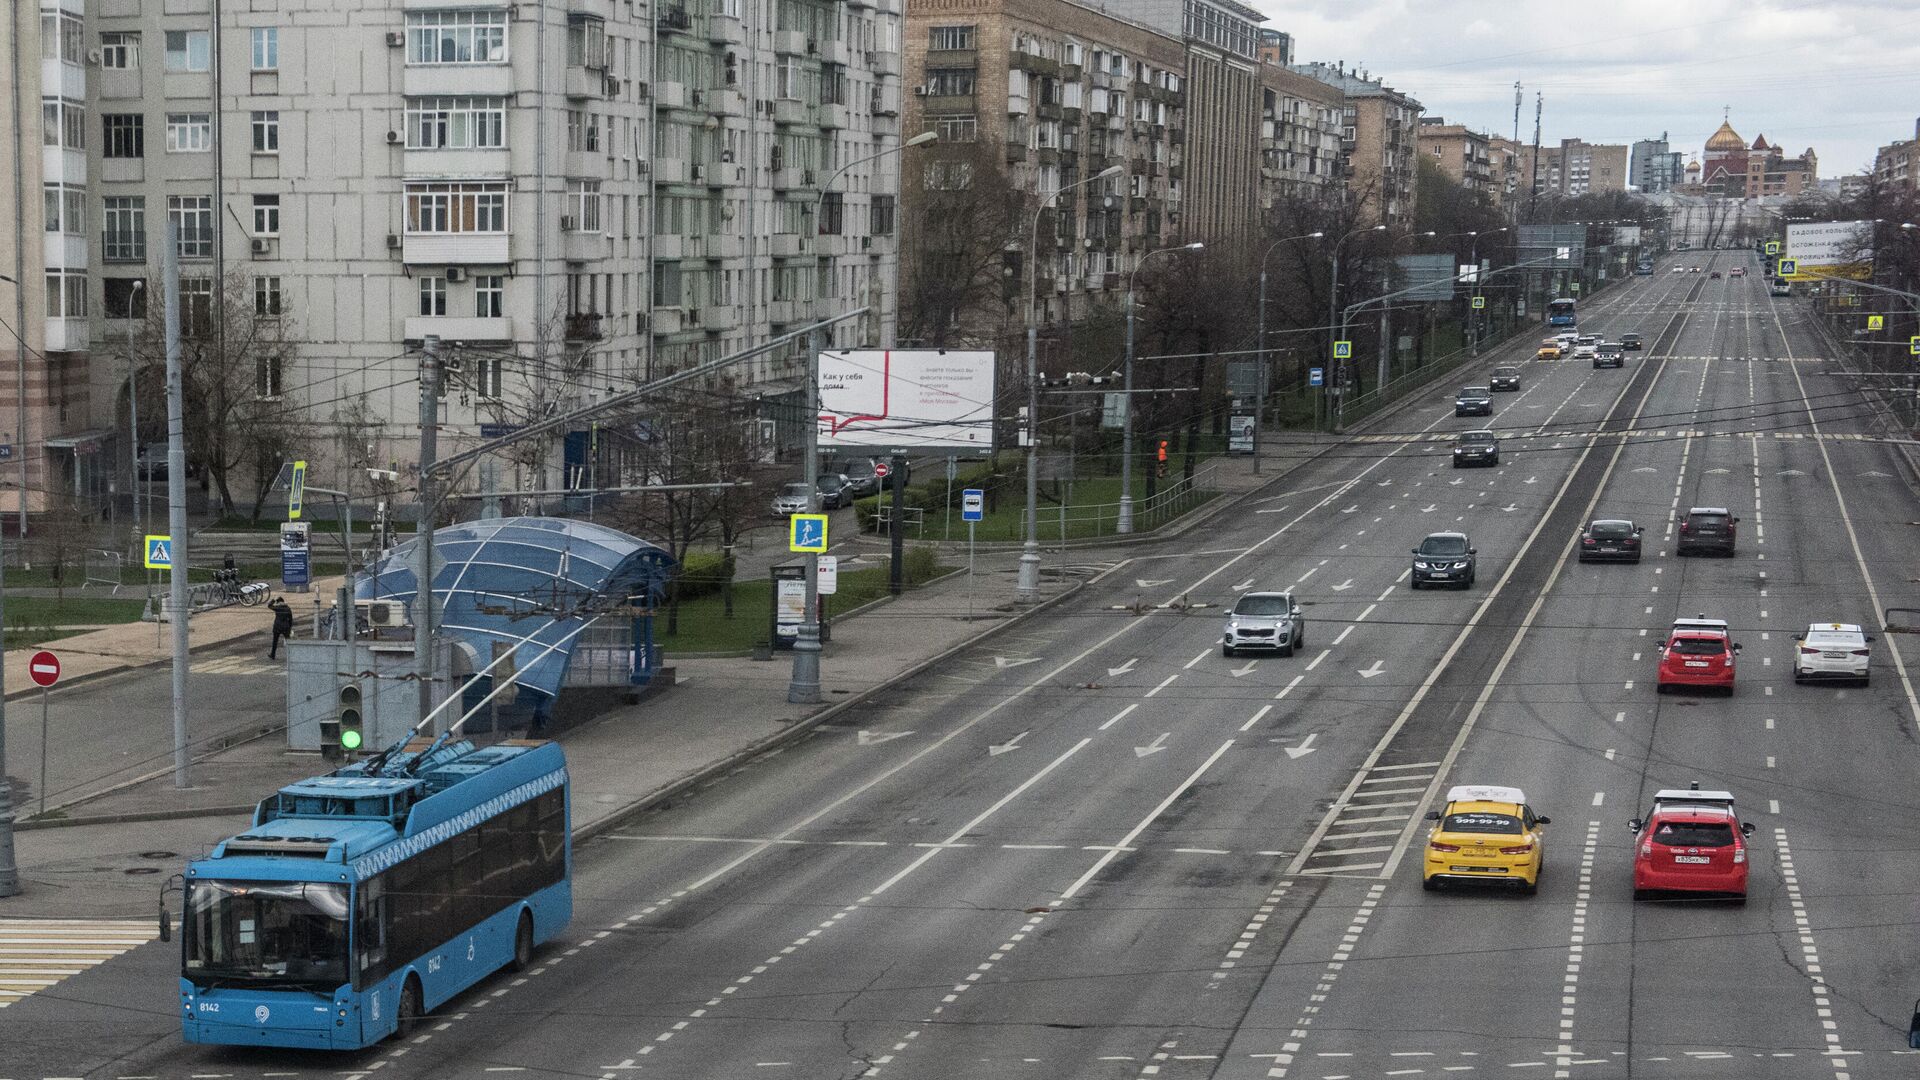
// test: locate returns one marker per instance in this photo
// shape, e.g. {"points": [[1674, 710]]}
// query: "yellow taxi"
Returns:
{"points": [[1549, 350], [1485, 833]]}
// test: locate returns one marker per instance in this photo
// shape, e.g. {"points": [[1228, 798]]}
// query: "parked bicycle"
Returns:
{"points": [[227, 589]]}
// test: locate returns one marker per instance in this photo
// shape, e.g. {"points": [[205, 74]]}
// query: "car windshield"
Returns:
{"points": [[1612, 529], [794, 491], [1476, 437], [1693, 833], [1480, 822], [1686, 646], [1262, 605], [1474, 391], [1506, 372], [1444, 545], [266, 932]]}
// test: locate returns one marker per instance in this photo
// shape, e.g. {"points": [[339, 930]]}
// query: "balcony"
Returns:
{"points": [[835, 52], [669, 247], [725, 29], [791, 179], [670, 95], [829, 245], [727, 102], [833, 116], [886, 124], [780, 312], [717, 317], [725, 247], [790, 111], [790, 42], [418, 327], [585, 82], [455, 249], [67, 250], [66, 335], [582, 327], [669, 170], [1016, 153], [584, 246], [788, 245], [668, 320], [884, 62]]}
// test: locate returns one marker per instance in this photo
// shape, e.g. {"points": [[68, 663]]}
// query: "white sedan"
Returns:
{"points": [[1832, 651]]}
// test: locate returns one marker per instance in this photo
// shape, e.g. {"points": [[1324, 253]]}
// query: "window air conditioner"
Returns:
{"points": [[381, 612], [393, 241], [456, 273], [395, 39], [569, 223], [261, 245], [393, 137]]}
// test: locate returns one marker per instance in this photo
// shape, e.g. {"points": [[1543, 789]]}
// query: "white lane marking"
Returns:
{"points": [[1342, 636], [1101, 863], [1255, 718], [1324, 653], [1362, 617], [1163, 684], [1599, 797], [1809, 959], [1119, 716], [1189, 664], [1288, 689]]}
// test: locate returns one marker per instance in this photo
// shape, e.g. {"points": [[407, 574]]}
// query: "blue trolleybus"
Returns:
{"points": [[1560, 312], [360, 900]]}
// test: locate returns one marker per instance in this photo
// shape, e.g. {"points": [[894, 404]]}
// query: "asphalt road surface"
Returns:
{"points": [[1098, 848]]}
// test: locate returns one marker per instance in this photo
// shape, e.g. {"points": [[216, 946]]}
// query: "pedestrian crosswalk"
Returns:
{"points": [[244, 664], [37, 953]]}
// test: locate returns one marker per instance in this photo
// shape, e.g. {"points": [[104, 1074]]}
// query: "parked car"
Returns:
{"points": [[792, 499], [860, 475], [836, 491]]}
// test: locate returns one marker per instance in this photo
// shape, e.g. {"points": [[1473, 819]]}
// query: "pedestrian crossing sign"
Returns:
{"points": [[159, 552], [1773, 247], [1876, 322], [807, 532], [297, 494], [1913, 346], [1479, 303], [1343, 350], [1787, 268]]}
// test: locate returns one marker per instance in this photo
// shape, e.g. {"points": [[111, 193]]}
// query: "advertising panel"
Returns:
{"points": [[1430, 276], [1829, 249], [296, 567], [906, 400]]}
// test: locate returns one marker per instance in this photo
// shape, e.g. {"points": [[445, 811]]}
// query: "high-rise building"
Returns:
{"points": [[571, 198], [1379, 139], [1897, 164], [1300, 124], [1654, 166], [1465, 155]]}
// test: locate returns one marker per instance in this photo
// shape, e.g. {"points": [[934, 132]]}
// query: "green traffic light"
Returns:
{"points": [[350, 740]]}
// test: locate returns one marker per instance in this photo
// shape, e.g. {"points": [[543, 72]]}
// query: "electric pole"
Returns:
{"points": [[423, 613]]}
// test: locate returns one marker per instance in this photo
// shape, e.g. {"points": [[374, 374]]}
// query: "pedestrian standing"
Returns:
{"points": [[282, 625]]}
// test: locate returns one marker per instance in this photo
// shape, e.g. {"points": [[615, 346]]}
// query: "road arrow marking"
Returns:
{"points": [[1378, 668], [1004, 662], [1429, 509], [1382, 483], [1530, 480], [875, 738], [1351, 509], [1147, 583], [1876, 473], [1646, 468], [1247, 584], [1297, 752], [1153, 747], [1011, 744], [1509, 508], [1116, 672], [1343, 586], [1245, 669], [1456, 481]]}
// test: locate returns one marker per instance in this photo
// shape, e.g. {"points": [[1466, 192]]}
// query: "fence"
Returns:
{"points": [[105, 568]]}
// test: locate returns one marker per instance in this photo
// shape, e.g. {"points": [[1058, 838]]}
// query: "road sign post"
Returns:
{"points": [[1343, 350], [807, 532], [159, 551], [973, 504], [296, 494], [44, 668]]}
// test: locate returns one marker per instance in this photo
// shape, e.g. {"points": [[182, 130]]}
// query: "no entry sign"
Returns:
{"points": [[44, 668]]}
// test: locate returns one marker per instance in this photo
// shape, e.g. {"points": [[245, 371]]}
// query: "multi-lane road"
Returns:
{"points": [[1098, 848]]}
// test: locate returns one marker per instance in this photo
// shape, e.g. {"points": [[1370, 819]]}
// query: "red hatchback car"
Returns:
{"points": [[1691, 841], [1697, 656]]}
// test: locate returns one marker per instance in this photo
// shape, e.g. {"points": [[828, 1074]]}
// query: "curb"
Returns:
{"points": [[32, 824], [803, 725], [90, 676]]}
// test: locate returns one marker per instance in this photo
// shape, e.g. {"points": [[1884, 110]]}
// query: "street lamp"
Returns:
{"points": [[1260, 381], [1027, 586], [1336, 324], [1124, 522], [1473, 260], [133, 406], [9, 874], [804, 687]]}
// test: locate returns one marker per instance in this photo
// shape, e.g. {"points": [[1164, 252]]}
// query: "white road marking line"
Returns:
{"points": [[1255, 718], [1119, 716], [1288, 689], [1599, 797], [1343, 635], [1324, 653], [1101, 863], [1163, 685]]}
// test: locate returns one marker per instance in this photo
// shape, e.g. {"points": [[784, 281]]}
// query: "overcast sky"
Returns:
{"points": [[1841, 76]]}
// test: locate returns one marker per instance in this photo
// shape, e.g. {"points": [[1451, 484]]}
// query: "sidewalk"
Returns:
{"points": [[127, 646], [100, 858]]}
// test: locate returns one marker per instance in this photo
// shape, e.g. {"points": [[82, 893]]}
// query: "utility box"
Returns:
{"points": [[317, 669]]}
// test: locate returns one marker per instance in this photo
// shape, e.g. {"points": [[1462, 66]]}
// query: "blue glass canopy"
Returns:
{"points": [[526, 581]]}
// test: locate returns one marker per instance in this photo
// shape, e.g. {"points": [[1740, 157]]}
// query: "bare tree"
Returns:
{"points": [[960, 215]]}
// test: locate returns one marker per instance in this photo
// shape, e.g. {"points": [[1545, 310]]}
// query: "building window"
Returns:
{"points": [[433, 296], [832, 213], [267, 376], [266, 48], [187, 50], [189, 133], [266, 297], [583, 204], [586, 42], [62, 37], [957, 128], [457, 37], [489, 377], [666, 285], [120, 52], [475, 207], [583, 131], [266, 131], [125, 238], [63, 123], [196, 306], [125, 298], [266, 215], [192, 215], [948, 82], [786, 76], [126, 135], [66, 209], [949, 37], [489, 296], [66, 294], [458, 123], [880, 215], [949, 175]]}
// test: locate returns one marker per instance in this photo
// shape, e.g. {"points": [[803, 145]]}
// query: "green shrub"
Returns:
{"points": [[702, 574], [921, 564]]}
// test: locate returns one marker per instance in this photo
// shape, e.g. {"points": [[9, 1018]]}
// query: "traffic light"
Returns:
{"points": [[1160, 467], [352, 733]]}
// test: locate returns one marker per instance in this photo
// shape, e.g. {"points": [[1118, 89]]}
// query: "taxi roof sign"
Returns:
{"points": [[1485, 793]]}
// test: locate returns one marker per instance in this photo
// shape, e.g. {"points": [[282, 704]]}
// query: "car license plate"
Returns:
{"points": [[1696, 663], [1605, 548], [1833, 656], [1696, 859], [1442, 573]]}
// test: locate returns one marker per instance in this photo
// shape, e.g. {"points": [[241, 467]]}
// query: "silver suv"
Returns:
{"points": [[1264, 620]]}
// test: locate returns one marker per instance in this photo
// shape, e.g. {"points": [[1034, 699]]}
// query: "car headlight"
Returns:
{"points": [[1422, 566], [1460, 566]]}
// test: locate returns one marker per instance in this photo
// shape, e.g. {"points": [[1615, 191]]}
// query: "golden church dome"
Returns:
{"points": [[1726, 138]]}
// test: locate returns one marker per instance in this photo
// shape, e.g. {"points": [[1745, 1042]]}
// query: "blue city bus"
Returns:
{"points": [[360, 900], [1560, 312]]}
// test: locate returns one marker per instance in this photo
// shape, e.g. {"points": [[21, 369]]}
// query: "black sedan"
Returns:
{"points": [[1630, 341], [1473, 401], [1504, 378], [1610, 540]]}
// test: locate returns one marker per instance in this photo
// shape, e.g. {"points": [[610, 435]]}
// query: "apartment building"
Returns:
{"points": [[1578, 167], [1654, 167], [42, 380], [1379, 139], [1510, 182], [1067, 91], [1465, 155], [1897, 164], [1300, 125], [1771, 172], [570, 197]]}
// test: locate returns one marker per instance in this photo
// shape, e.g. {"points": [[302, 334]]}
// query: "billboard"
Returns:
{"points": [[906, 399], [1430, 276], [1565, 245], [1830, 249], [1626, 236]]}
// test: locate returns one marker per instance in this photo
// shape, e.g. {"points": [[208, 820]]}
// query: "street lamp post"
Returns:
{"points": [[804, 687], [1123, 523], [1260, 382], [1027, 587], [1336, 325], [133, 410], [1380, 380], [9, 873], [1473, 260]]}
